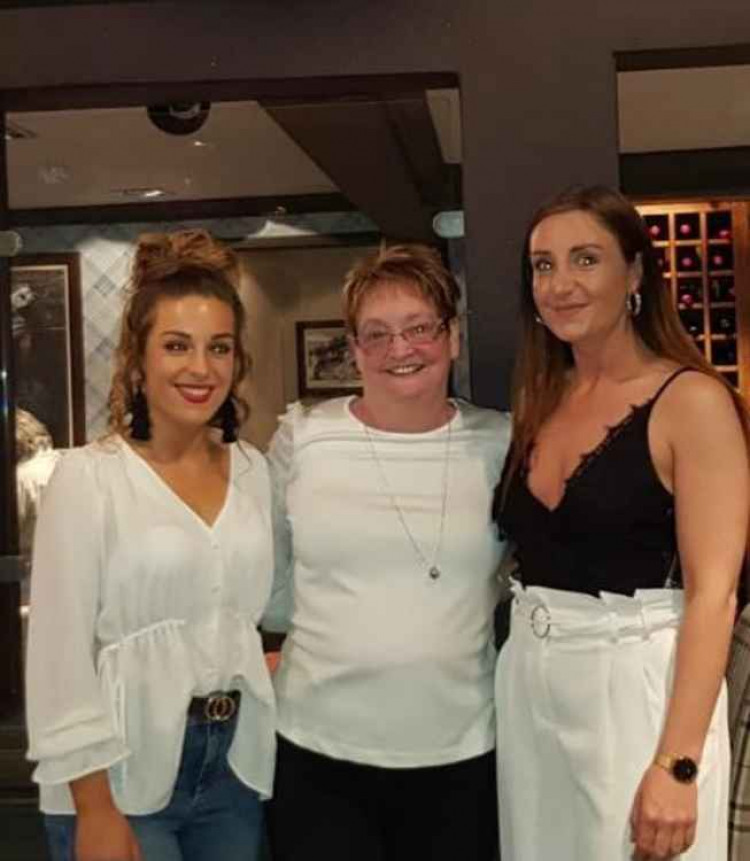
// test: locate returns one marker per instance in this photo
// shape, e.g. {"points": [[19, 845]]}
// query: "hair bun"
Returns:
{"points": [[161, 255]]}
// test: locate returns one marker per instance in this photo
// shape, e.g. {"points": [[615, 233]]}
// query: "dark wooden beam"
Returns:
{"points": [[183, 210], [354, 143], [10, 591], [24, 4], [415, 133], [133, 95], [721, 172], [682, 58]]}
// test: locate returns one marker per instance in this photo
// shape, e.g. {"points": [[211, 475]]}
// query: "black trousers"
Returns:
{"points": [[334, 810]]}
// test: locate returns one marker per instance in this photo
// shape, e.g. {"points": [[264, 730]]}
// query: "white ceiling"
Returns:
{"points": [[83, 158], [89, 157], [79, 158], [678, 109]]}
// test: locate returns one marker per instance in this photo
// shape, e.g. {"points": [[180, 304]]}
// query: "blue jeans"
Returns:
{"points": [[211, 814]]}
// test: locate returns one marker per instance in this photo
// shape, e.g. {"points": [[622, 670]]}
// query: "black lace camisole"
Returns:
{"points": [[614, 528]]}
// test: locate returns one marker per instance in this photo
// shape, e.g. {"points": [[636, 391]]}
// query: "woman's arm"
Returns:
{"points": [[280, 456], [712, 500], [70, 731], [102, 832]]}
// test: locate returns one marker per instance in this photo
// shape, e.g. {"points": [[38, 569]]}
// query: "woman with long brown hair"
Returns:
{"points": [[626, 497], [150, 708]]}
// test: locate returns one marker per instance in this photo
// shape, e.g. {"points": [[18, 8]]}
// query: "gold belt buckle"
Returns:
{"points": [[541, 621], [220, 708]]}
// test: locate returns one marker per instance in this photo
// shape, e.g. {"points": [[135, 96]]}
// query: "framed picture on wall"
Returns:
{"points": [[48, 343], [325, 364]]}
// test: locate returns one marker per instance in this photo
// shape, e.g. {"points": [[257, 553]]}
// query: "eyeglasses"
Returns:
{"points": [[380, 341]]}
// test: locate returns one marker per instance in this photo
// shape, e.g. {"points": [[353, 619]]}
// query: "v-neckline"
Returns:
{"points": [[167, 487], [586, 458]]}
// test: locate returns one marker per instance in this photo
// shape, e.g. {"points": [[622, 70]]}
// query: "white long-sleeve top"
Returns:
{"points": [[382, 664], [137, 605]]}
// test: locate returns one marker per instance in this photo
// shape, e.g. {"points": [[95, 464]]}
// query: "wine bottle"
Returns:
{"points": [[719, 224], [721, 288], [724, 322], [688, 259], [720, 257], [689, 293], [724, 352], [687, 225], [657, 227], [692, 321]]}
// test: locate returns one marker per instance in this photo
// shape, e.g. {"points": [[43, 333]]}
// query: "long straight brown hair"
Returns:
{"points": [[544, 360]]}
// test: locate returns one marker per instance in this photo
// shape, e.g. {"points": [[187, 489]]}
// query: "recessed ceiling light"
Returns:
{"points": [[142, 193]]}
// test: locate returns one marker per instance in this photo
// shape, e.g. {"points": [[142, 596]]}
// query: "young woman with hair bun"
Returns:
{"points": [[150, 708]]}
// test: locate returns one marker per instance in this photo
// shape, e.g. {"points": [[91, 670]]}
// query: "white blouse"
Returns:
{"points": [[384, 665], [137, 605]]}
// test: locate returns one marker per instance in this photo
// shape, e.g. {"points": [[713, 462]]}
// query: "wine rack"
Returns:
{"points": [[701, 248]]}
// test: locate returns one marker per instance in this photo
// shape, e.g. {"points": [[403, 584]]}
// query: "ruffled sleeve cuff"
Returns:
{"points": [[96, 757], [87, 742]]}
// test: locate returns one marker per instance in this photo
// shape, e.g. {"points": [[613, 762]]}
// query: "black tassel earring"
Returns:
{"points": [[140, 422], [228, 420]]}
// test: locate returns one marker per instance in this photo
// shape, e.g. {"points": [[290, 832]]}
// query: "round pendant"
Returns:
{"points": [[434, 572]]}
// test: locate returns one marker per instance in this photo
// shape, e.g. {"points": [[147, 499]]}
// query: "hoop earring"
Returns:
{"points": [[140, 421], [228, 420], [633, 303]]}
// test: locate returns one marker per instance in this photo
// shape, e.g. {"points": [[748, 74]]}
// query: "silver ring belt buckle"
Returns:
{"points": [[541, 621], [220, 708]]}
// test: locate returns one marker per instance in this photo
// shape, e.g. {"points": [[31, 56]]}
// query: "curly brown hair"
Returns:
{"points": [[171, 266]]}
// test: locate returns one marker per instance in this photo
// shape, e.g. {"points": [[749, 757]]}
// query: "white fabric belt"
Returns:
{"points": [[554, 614]]}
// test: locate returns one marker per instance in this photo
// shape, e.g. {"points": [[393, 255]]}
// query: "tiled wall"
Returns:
{"points": [[105, 254]]}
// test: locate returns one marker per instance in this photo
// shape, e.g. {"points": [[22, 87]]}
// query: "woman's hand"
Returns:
{"points": [[105, 834], [664, 815]]}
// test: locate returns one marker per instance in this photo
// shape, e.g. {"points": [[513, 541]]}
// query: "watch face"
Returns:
{"points": [[685, 770]]}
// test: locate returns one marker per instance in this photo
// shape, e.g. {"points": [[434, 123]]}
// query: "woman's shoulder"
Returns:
{"points": [[692, 402], [483, 418], [693, 389], [248, 457], [89, 458], [303, 418], [321, 410]]}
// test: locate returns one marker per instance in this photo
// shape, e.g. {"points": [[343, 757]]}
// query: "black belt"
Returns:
{"points": [[217, 707]]}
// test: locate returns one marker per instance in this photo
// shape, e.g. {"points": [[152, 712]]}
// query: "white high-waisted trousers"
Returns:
{"points": [[582, 687]]}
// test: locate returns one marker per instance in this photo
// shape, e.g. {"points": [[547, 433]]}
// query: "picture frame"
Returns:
{"points": [[325, 364], [48, 365]]}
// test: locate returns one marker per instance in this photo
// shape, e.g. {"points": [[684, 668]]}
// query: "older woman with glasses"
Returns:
{"points": [[387, 561]]}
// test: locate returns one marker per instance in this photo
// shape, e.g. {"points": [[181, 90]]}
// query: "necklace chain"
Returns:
{"points": [[430, 564]]}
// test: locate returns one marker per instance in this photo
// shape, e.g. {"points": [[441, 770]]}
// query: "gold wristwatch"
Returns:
{"points": [[682, 768]]}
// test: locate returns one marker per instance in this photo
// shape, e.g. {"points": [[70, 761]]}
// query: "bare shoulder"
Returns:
{"points": [[697, 392], [695, 403]]}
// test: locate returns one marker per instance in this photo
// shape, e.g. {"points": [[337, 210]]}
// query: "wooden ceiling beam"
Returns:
{"points": [[369, 148]]}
